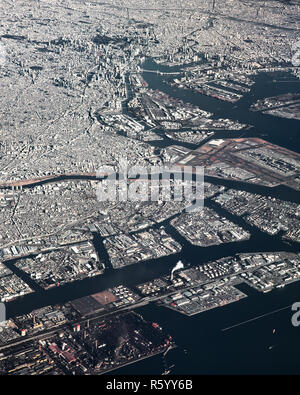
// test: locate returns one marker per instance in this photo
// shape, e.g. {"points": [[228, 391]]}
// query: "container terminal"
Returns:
{"points": [[53, 330]]}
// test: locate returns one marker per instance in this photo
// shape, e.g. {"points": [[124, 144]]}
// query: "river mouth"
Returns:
{"points": [[250, 340]]}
